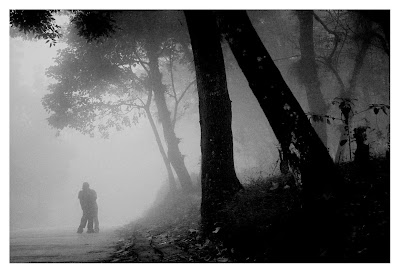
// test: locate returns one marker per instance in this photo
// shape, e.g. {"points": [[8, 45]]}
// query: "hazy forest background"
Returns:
{"points": [[84, 106]]}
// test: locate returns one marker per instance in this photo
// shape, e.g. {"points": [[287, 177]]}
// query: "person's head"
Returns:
{"points": [[85, 185]]}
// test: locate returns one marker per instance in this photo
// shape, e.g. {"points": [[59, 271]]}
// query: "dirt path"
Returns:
{"points": [[144, 247], [66, 246], [61, 246]]}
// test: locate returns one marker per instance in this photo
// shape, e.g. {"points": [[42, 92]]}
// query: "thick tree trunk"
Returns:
{"points": [[218, 177], [171, 178], [319, 178], [284, 113], [174, 154], [309, 73]]}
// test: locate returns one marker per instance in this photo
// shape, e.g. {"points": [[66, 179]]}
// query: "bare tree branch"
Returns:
{"points": [[334, 33], [149, 96], [142, 63], [186, 89], [178, 100], [172, 77]]}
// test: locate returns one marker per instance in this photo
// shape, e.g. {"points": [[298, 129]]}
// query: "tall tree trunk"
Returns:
{"points": [[174, 154], [309, 72], [218, 177], [320, 180], [345, 129], [171, 178]]}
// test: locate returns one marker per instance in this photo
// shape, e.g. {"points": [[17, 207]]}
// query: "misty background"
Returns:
{"points": [[47, 169]]}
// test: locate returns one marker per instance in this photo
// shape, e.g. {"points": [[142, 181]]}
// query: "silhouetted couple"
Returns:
{"points": [[87, 198]]}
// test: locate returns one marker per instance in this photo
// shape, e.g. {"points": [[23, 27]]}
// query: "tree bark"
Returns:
{"points": [[167, 163], [309, 72], [174, 154], [218, 177], [319, 177]]}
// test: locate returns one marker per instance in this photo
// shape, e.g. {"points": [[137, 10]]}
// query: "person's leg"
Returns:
{"points": [[84, 219], [96, 221], [90, 225], [90, 222]]}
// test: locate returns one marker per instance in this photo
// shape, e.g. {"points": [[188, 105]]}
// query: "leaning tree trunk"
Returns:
{"points": [[174, 154], [171, 178], [320, 180], [308, 72], [218, 177]]}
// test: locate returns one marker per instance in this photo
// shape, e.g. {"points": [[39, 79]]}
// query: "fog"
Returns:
{"points": [[126, 170], [47, 170]]}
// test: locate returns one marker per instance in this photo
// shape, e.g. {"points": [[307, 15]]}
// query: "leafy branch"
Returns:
{"points": [[38, 23]]}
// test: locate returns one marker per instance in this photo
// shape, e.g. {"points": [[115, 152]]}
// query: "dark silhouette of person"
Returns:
{"points": [[87, 198]]}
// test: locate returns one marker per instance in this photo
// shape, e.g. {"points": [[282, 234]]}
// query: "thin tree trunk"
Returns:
{"points": [[309, 74], [174, 154], [171, 178], [347, 94], [320, 179], [218, 177]]}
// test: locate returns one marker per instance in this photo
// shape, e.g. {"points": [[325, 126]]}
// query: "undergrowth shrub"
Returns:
{"points": [[265, 221]]}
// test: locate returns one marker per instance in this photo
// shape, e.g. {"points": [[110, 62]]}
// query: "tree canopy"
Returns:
{"points": [[111, 65], [100, 83]]}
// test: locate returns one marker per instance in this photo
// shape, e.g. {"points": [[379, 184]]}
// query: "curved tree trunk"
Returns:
{"points": [[319, 177], [171, 178], [218, 177], [309, 74], [174, 154]]}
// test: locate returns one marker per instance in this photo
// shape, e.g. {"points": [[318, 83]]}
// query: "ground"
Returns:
{"points": [[61, 245], [263, 223]]}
